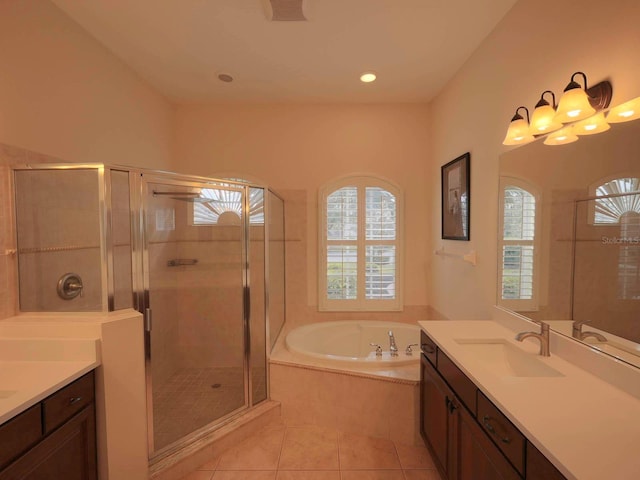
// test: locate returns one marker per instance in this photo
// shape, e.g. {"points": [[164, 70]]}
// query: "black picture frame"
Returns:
{"points": [[456, 198]]}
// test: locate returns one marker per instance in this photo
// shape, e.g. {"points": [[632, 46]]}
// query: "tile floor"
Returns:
{"points": [[315, 453]]}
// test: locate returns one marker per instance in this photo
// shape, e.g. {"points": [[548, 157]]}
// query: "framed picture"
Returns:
{"points": [[456, 199]]}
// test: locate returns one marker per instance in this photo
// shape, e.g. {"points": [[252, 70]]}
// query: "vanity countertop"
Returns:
{"points": [[588, 428], [31, 369]]}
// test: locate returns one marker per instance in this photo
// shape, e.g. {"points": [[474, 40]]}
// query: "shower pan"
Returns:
{"points": [[198, 257]]}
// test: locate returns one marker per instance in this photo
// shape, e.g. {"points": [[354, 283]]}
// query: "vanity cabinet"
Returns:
{"points": [[55, 439], [468, 436]]}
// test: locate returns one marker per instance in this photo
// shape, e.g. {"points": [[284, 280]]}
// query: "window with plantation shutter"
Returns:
{"points": [[518, 220], [360, 224], [618, 204]]}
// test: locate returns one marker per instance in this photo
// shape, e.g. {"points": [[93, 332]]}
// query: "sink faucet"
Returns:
{"points": [[543, 336], [393, 349], [577, 332]]}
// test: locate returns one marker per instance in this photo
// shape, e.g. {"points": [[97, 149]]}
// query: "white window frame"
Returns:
{"points": [[361, 182], [529, 304]]}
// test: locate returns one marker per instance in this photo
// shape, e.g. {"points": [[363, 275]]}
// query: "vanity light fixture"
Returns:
{"points": [[542, 119], [518, 132], [592, 125], [368, 77], [578, 103], [561, 137], [626, 112]]}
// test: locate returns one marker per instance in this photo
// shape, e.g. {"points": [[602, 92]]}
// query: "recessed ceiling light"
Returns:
{"points": [[367, 77], [225, 77]]}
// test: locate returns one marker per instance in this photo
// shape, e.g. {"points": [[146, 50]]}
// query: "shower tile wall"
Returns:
{"points": [[9, 156], [58, 214]]}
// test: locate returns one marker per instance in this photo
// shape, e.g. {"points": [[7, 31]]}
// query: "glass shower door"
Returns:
{"points": [[194, 286]]}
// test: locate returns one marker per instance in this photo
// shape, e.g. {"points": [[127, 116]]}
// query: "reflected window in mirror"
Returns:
{"points": [[620, 205], [518, 244], [615, 203]]}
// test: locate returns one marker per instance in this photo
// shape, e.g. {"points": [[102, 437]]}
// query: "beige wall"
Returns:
{"points": [[297, 148], [64, 94], [537, 46]]}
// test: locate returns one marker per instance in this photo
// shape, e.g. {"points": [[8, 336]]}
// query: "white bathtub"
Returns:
{"points": [[349, 342]]}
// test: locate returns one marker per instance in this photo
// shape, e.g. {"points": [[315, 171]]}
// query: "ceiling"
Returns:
{"points": [[181, 46]]}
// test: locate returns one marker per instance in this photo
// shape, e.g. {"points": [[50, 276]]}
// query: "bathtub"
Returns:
{"points": [[348, 342]]}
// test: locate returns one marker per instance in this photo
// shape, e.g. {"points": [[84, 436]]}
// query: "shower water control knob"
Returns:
{"points": [[378, 349], [70, 286]]}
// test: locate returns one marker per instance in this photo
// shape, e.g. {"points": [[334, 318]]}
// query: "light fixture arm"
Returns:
{"points": [[542, 102], [517, 116], [573, 84]]}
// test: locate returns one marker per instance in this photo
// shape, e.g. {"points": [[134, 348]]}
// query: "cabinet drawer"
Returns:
{"points": [[428, 348], [504, 434], [464, 388], [19, 433], [65, 403]]}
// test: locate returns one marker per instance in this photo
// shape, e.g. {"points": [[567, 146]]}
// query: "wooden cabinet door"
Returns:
{"points": [[69, 453], [476, 455], [435, 398]]}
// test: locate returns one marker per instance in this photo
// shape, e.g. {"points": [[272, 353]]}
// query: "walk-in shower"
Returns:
{"points": [[202, 259]]}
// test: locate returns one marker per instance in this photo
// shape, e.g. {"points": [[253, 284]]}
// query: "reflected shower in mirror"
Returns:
{"points": [[558, 206]]}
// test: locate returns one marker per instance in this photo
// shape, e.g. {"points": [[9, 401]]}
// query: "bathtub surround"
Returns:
{"points": [[351, 397]]}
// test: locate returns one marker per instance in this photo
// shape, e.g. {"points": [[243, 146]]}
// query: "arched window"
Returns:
{"points": [[518, 245], [217, 206], [360, 247], [620, 205]]}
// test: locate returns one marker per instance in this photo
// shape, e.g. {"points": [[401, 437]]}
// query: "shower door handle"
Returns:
{"points": [[147, 320]]}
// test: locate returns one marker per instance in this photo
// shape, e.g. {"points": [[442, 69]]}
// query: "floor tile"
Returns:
{"points": [[308, 475], [244, 475], [421, 475], [210, 465], [414, 457], [360, 452], [309, 448], [372, 475], [258, 452]]}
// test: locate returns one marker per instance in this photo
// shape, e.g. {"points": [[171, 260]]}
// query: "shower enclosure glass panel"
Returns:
{"points": [[59, 230], [195, 286]]}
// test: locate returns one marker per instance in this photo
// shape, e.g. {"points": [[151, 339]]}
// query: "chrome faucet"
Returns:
{"points": [[543, 336], [393, 349], [577, 332]]}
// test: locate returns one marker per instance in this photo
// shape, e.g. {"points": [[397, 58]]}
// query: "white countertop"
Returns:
{"points": [[31, 369], [586, 427]]}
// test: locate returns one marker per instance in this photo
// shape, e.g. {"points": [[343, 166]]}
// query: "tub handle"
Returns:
{"points": [[408, 350], [378, 349]]}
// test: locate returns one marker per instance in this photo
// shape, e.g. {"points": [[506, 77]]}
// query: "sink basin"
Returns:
{"points": [[504, 359]]}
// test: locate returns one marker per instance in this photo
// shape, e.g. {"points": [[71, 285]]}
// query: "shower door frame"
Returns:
{"points": [[142, 178]]}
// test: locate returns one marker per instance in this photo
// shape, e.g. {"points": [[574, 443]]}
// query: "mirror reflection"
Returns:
{"points": [[569, 237]]}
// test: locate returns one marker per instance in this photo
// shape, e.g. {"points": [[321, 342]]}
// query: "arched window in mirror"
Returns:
{"points": [[518, 245], [609, 210], [360, 245], [620, 205]]}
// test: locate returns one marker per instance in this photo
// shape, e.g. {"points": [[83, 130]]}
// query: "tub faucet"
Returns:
{"points": [[543, 337], [577, 332], [393, 349]]}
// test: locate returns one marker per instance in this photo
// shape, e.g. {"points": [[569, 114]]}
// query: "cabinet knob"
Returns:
{"points": [[74, 400]]}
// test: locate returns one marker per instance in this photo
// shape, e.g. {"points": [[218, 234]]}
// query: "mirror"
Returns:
{"points": [[566, 257]]}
